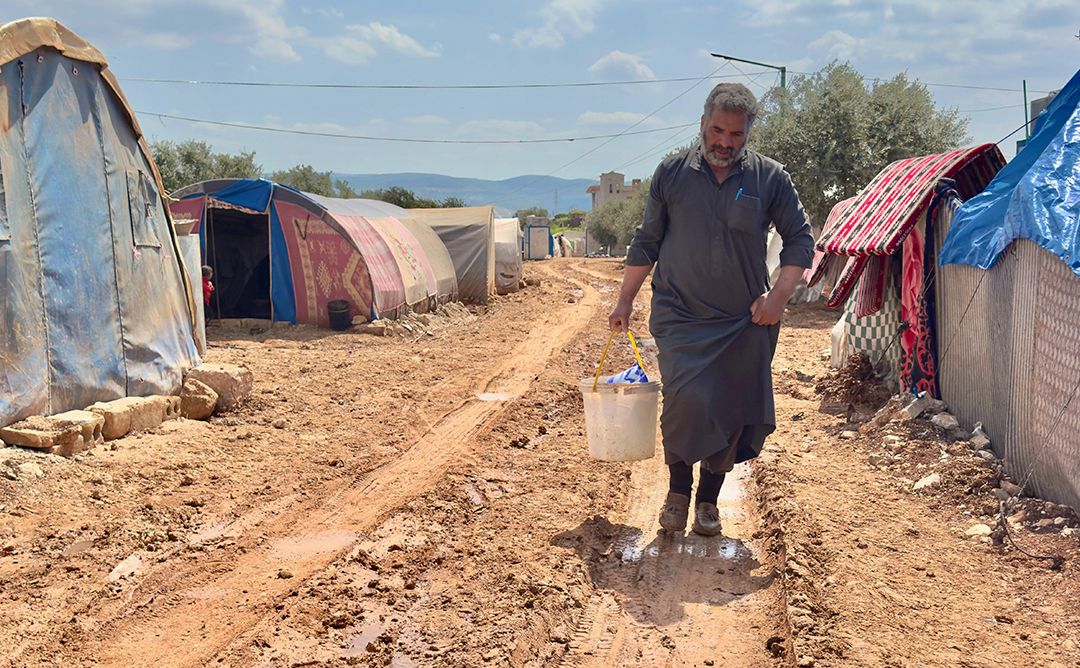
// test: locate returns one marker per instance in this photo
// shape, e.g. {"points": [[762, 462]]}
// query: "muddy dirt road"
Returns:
{"points": [[428, 501]]}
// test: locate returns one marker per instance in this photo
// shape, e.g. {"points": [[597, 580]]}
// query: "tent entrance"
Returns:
{"points": [[238, 250]]}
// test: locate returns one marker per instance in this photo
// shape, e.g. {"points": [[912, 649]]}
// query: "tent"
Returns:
{"points": [[94, 300], [1009, 306], [469, 236], [880, 238], [283, 255], [507, 255]]}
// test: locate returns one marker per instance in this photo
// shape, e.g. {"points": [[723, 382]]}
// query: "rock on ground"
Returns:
{"points": [[197, 400], [231, 383]]}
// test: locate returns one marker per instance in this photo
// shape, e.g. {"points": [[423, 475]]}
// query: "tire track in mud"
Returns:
{"points": [[675, 600], [199, 614]]}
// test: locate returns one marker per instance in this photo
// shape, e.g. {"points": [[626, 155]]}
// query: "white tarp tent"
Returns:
{"points": [[468, 234], [507, 255]]}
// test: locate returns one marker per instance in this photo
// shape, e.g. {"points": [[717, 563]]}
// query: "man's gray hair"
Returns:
{"points": [[732, 97]]}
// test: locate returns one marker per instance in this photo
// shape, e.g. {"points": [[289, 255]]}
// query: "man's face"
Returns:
{"points": [[723, 136]]}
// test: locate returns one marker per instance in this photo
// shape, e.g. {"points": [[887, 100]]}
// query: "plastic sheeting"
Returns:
{"points": [[507, 255], [94, 301], [469, 235], [1034, 197]]}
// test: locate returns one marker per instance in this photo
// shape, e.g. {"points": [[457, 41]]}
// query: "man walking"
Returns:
{"points": [[714, 316]]}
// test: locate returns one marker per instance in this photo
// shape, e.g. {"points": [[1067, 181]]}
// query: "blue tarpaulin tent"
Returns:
{"points": [[1034, 197], [94, 302]]}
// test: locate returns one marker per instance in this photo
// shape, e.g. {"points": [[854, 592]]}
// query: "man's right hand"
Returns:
{"points": [[619, 320]]}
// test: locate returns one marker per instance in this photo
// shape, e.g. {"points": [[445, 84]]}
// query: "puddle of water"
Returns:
{"points": [[306, 546], [356, 644], [494, 396]]}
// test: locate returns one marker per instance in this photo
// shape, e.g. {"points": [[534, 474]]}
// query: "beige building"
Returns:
{"points": [[612, 187]]}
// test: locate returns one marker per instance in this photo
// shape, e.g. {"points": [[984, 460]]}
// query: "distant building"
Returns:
{"points": [[1036, 108], [612, 187]]}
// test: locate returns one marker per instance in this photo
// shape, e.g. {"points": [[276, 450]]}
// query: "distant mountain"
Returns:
{"points": [[520, 192]]}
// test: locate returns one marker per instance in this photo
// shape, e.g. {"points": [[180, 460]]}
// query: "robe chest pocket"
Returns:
{"points": [[746, 215]]}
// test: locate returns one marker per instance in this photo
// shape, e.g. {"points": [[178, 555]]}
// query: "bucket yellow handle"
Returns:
{"points": [[607, 347]]}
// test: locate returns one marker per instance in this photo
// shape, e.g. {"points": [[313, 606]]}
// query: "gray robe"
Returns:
{"points": [[708, 241]]}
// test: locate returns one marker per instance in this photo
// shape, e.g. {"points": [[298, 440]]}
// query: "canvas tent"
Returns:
{"points": [[507, 255], [94, 302], [1009, 307], [283, 255], [880, 238], [469, 236]]}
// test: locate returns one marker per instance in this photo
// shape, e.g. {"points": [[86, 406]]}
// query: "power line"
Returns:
{"points": [[285, 84], [975, 111], [625, 132], [949, 85], [411, 140], [652, 149]]}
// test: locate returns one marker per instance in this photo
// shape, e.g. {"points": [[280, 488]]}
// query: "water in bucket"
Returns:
{"points": [[620, 419]]}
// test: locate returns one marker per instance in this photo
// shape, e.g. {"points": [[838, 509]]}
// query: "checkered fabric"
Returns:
{"points": [[873, 334]]}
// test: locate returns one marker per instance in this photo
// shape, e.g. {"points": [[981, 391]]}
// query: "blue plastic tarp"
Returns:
{"points": [[93, 300], [1035, 197]]}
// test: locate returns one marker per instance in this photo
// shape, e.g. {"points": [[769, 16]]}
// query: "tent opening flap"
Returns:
{"points": [[238, 250]]}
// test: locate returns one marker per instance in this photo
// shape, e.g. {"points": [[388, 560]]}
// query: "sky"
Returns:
{"points": [[995, 45]]}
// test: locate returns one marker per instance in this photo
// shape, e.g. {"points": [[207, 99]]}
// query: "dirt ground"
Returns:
{"points": [[428, 500]]}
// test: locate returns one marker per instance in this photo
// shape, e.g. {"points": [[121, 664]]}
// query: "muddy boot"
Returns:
{"points": [[707, 520], [675, 511]]}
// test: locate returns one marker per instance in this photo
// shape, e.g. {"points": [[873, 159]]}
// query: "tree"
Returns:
{"points": [[306, 178], [522, 214], [407, 199], [834, 132], [615, 223], [192, 161], [453, 203]]}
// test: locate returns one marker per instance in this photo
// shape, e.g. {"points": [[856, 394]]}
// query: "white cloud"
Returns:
{"points": [[621, 64], [393, 38], [360, 43], [163, 40], [273, 38], [561, 19], [427, 119], [496, 37], [615, 118], [837, 44], [347, 49]]}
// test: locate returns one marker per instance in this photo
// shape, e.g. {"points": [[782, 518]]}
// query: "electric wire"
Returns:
{"points": [[411, 140]]}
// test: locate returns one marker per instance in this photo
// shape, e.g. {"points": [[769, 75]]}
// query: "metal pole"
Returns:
{"points": [[783, 70], [1027, 121]]}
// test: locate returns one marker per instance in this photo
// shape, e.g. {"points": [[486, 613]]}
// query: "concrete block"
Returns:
{"points": [[131, 415], [91, 424], [232, 383], [39, 433]]}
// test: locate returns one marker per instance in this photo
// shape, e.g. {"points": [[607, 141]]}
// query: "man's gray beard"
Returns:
{"points": [[714, 160]]}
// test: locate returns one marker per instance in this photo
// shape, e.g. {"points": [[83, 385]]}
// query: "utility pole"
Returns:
{"points": [[1027, 121], [783, 70]]}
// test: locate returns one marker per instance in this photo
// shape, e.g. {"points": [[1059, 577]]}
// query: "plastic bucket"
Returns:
{"points": [[340, 312], [620, 419]]}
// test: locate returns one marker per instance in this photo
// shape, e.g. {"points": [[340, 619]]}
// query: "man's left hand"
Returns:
{"points": [[766, 310]]}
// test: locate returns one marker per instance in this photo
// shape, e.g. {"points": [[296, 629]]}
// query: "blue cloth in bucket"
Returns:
{"points": [[634, 374]]}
